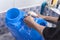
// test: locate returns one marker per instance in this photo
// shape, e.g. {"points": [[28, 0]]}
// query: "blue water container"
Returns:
{"points": [[14, 21]]}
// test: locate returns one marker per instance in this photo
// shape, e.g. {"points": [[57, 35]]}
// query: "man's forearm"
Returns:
{"points": [[50, 18], [38, 27]]}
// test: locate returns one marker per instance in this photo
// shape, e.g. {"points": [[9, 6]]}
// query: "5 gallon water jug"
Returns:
{"points": [[14, 21]]}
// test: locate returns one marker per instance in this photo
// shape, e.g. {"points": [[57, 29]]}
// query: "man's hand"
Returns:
{"points": [[29, 20], [35, 14], [32, 14]]}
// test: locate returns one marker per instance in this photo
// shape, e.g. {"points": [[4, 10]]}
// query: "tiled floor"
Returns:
{"points": [[7, 36], [4, 32]]}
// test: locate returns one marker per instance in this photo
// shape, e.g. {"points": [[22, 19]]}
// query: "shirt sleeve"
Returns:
{"points": [[48, 32]]}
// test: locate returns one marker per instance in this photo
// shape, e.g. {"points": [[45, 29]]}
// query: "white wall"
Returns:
{"points": [[6, 4], [27, 3]]}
